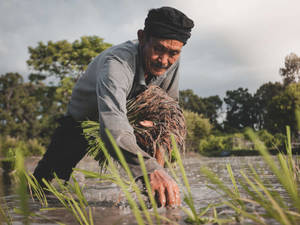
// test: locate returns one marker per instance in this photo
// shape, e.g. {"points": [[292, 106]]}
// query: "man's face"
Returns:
{"points": [[160, 54]]}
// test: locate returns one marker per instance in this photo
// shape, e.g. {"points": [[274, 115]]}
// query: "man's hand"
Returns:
{"points": [[147, 123], [165, 188]]}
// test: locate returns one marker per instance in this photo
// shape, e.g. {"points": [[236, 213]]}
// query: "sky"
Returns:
{"points": [[235, 43]]}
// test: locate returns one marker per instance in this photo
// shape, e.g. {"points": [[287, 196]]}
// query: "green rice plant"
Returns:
{"points": [[4, 214], [91, 133], [36, 191], [96, 145], [148, 187], [193, 216], [256, 192], [5, 217], [120, 183], [286, 171], [187, 191], [77, 205], [127, 186], [21, 190], [139, 208], [71, 197]]}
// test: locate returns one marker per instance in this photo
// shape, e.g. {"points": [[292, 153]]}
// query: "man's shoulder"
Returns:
{"points": [[125, 51]]}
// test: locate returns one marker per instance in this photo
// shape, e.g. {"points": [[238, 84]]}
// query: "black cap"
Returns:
{"points": [[168, 23]]}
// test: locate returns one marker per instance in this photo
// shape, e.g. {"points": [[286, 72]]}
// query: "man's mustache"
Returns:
{"points": [[159, 65]]}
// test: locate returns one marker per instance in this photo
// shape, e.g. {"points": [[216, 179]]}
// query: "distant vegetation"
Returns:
{"points": [[29, 109], [267, 111]]}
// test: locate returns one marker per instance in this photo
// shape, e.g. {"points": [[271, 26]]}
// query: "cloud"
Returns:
{"points": [[234, 43], [240, 43]]}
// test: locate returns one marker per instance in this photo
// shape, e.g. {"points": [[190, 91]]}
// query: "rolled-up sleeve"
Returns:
{"points": [[113, 86]]}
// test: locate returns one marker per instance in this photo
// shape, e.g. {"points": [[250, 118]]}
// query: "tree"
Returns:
{"points": [[190, 101], [198, 127], [63, 59], [29, 109], [213, 106], [209, 107], [262, 99], [282, 108], [19, 109], [291, 70], [63, 94], [65, 62], [239, 109]]}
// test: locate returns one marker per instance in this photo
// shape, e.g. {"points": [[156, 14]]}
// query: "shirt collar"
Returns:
{"points": [[141, 71]]}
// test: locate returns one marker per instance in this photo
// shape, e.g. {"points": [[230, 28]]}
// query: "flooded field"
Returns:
{"points": [[107, 201]]}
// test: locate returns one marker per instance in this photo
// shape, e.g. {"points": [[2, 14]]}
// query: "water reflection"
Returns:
{"points": [[105, 199]]}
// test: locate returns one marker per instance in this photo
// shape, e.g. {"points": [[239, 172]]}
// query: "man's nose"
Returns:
{"points": [[164, 59]]}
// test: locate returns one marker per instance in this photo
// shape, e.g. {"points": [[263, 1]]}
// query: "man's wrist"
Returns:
{"points": [[150, 165]]}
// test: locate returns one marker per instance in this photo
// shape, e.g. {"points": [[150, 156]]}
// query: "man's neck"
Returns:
{"points": [[148, 78]]}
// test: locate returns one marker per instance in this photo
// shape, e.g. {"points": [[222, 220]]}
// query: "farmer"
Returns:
{"points": [[115, 76]]}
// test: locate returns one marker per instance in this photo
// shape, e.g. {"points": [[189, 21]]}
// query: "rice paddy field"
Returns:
{"points": [[109, 205]]}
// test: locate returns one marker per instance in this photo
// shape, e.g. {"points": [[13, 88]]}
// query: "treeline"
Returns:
{"points": [[29, 108], [271, 107], [268, 111]]}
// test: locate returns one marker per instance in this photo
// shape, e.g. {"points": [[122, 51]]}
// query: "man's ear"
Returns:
{"points": [[141, 37]]}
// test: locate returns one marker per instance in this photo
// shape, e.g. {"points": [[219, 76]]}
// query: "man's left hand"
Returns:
{"points": [[165, 188]]}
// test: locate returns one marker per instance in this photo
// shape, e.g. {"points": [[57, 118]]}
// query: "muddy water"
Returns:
{"points": [[104, 198]]}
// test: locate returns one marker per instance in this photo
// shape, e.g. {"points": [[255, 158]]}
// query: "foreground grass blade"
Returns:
{"points": [[123, 186], [284, 173], [283, 210], [233, 179], [36, 190], [21, 190], [65, 194], [4, 215], [148, 187], [191, 212]]}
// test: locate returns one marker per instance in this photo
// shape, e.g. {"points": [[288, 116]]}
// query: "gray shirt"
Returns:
{"points": [[113, 77]]}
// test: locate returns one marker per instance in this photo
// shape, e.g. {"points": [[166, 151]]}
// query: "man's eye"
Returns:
{"points": [[174, 53], [158, 48]]}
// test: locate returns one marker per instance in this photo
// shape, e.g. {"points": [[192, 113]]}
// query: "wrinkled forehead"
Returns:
{"points": [[171, 44]]}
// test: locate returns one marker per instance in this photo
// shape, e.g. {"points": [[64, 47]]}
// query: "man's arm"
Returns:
{"points": [[112, 88]]}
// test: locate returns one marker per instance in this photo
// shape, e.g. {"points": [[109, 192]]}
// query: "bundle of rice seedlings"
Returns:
{"points": [[165, 116], [155, 105]]}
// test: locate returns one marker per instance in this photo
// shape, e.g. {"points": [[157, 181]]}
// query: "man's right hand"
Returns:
{"points": [[165, 188]]}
